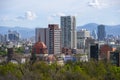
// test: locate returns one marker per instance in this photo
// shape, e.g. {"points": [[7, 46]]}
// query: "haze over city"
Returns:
{"points": [[40, 13], [59, 40]]}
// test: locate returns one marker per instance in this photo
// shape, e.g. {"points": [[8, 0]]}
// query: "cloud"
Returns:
{"points": [[4, 18], [7, 18], [94, 3], [55, 17], [97, 4], [20, 18], [58, 14], [29, 15], [62, 14]]}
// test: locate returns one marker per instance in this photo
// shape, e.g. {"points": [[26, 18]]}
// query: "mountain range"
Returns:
{"points": [[24, 32], [110, 29], [28, 33]]}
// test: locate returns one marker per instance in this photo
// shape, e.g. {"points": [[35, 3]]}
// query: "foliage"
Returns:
{"points": [[19, 50], [3, 50], [93, 70]]}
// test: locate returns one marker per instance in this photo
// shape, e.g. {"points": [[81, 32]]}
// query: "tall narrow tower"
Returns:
{"points": [[54, 39], [68, 26], [101, 33]]}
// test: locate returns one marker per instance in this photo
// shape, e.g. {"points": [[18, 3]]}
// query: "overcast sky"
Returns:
{"points": [[40, 13]]}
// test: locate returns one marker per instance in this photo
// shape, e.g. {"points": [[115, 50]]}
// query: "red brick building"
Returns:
{"points": [[39, 51], [39, 48], [105, 50]]}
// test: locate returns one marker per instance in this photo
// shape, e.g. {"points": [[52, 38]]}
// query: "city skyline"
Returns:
{"points": [[37, 13]]}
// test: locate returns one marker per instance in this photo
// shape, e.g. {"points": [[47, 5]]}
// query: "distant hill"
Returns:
{"points": [[27, 32], [110, 29], [24, 32]]}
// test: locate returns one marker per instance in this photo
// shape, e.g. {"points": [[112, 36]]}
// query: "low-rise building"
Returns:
{"points": [[114, 58], [105, 50]]}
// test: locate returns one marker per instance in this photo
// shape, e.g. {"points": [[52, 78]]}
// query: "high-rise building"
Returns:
{"points": [[13, 36], [1, 38], [68, 26], [82, 35], [54, 39], [101, 33], [43, 34], [5, 38], [94, 34], [51, 36]]}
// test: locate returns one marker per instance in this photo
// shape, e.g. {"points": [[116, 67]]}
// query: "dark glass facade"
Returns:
{"points": [[94, 51], [115, 58], [101, 33]]}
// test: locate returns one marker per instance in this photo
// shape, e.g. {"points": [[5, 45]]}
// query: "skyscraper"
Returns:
{"points": [[13, 36], [101, 33], [1, 38], [54, 39], [68, 26], [94, 34]]}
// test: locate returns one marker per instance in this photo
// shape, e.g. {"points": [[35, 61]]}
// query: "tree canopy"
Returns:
{"points": [[93, 70]]}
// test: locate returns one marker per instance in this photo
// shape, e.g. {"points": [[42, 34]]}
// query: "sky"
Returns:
{"points": [[40, 13]]}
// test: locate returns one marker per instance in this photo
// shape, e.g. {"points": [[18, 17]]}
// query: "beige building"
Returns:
{"points": [[82, 35], [54, 39]]}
